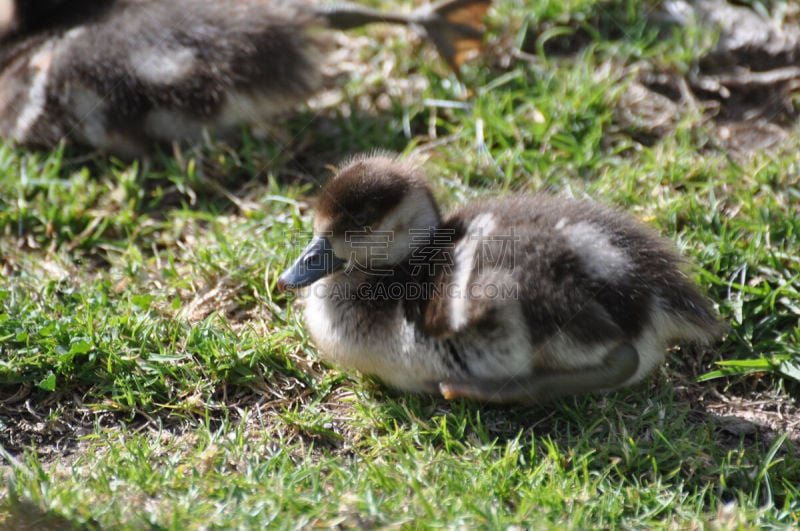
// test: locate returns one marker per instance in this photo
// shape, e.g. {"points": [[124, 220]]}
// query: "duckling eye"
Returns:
{"points": [[360, 219]]}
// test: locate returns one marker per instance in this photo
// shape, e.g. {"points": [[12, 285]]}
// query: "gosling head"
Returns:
{"points": [[369, 217]]}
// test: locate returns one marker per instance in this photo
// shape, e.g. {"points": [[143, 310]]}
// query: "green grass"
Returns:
{"points": [[151, 374]]}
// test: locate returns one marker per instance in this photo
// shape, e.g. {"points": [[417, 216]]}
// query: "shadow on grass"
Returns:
{"points": [[654, 433], [657, 434]]}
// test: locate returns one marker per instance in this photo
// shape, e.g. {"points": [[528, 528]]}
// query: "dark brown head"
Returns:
{"points": [[369, 216]]}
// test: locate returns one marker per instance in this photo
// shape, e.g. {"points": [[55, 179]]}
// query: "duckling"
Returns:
{"points": [[522, 299], [122, 75]]}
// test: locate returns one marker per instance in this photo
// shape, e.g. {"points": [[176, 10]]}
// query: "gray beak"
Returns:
{"points": [[316, 262]]}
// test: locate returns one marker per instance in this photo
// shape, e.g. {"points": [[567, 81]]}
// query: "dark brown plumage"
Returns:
{"points": [[518, 299]]}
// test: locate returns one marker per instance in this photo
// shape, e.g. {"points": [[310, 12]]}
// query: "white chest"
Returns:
{"points": [[383, 343]]}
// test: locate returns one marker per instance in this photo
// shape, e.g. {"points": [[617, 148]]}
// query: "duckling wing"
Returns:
{"points": [[510, 270], [478, 281]]}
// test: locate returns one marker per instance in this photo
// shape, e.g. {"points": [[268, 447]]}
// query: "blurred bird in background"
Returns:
{"points": [[122, 76]]}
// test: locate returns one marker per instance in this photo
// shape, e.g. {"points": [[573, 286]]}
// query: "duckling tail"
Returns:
{"points": [[455, 26]]}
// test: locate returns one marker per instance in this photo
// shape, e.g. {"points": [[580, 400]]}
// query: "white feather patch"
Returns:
{"points": [[478, 229], [37, 96], [599, 256], [161, 67]]}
